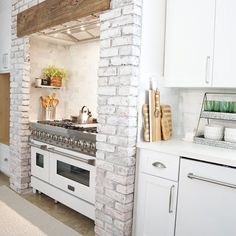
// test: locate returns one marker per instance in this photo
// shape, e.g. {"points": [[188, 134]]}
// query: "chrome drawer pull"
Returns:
{"points": [[159, 165], [212, 181], [171, 199], [88, 161]]}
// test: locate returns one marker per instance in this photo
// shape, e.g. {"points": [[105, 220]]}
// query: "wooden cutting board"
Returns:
{"points": [[166, 122], [154, 115]]}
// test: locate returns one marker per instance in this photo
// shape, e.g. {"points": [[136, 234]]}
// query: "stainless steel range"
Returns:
{"points": [[63, 163], [65, 134]]}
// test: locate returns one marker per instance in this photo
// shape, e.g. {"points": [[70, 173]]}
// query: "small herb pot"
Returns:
{"points": [[38, 82], [46, 82], [56, 81]]}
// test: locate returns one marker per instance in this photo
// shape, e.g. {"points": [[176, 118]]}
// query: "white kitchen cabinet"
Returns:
{"points": [[4, 159], [206, 200], [156, 196], [189, 43], [224, 72], [156, 206], [5, 35]]}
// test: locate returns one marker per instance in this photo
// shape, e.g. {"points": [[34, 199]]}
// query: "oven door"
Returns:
{"points": [[40, 163], [73, 176]]}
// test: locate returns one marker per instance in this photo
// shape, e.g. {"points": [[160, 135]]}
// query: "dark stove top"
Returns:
{"points": [[68, 124]]}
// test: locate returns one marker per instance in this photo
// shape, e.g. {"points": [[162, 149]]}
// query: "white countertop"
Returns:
{"points": [[192, 150]]}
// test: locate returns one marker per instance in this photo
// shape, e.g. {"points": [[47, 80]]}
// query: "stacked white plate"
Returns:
{"points": [[214, 132], [230, 135]]}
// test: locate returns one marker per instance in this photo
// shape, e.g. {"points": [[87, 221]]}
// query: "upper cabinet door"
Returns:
{"points": [[189, 43], [225, 44]]}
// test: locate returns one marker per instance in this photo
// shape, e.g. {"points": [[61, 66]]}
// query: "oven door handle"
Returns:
{"points": [[88, 161], [42, 147]]}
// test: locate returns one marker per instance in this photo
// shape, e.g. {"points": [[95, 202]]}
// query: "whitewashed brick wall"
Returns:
{"points": [[19, 111], [117, 115]]}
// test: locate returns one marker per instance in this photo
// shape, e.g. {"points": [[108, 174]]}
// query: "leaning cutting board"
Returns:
{"points": [[166, 122], [154, 115]]}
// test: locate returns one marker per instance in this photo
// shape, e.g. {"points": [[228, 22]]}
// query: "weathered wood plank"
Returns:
{"points": [[54, 12]]}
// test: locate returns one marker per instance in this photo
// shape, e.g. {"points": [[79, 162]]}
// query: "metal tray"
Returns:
{"points": [[210, 142]]}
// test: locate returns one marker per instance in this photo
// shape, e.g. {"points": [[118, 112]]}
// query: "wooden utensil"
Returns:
{"points": [[154, 115], [158, 115], [55, 102], [146, 133]]}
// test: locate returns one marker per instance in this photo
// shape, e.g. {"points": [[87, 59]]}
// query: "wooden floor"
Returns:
{"points": [[73, 219]]}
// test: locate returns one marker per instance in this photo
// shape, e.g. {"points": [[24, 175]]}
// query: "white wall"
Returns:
{"points": [[81, 62], [152, 59]]}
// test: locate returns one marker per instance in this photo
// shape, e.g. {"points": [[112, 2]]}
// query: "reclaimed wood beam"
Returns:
{"points": [[55, 12]]}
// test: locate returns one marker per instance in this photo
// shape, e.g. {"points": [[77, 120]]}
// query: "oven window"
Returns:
{"points": [[40, 160], [73, 173]]}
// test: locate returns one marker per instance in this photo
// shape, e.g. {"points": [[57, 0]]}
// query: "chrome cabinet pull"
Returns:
{"points": [[171, 199], [207, 69], [159, 165], [53, 150], [212, 181]]}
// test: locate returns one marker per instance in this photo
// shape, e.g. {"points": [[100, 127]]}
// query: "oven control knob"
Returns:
{"points": [[93, 146], [60, 139], [66, 140], [55, 138], [71, 141], [47, 135], [43, 134], [39, 133], [80, 144], [87, 145], [75, 143], [34, 132]]}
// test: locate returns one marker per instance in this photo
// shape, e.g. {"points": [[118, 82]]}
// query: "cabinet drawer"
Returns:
{"points": [[159, 164]]}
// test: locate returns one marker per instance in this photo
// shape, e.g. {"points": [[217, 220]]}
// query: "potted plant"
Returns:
{"points": [[55, 75]]}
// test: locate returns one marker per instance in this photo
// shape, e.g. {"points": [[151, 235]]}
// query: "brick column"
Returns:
{"points": [[117, 116], [19, 111]]}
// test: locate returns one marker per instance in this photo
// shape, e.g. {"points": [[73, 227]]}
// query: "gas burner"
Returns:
{"points": [[66, 134], [68, 124]]}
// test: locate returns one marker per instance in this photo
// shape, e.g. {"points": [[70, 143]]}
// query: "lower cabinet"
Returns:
{"points": [[200, 201], [156, 194], [156, 206], [206, 200]]}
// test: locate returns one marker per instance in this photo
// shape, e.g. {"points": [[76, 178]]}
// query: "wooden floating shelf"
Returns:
{"points": [[49, 87], [218, 115]]}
